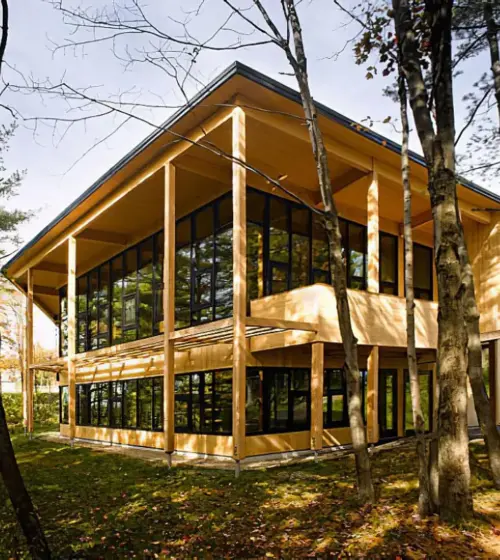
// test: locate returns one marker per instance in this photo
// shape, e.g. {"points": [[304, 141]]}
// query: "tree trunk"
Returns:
{"points": [[358, 433], [474, 366], [492, 35], [424, 500], [439, 151], [21, 501]]}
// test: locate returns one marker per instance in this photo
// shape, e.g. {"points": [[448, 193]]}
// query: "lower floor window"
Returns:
{"points": [[278, 400], [426, 401], [64, 404], [134, 403], [335, 411], [203, 402]]}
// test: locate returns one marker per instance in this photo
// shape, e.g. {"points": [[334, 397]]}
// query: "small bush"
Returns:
{"points": [[46, 407]]}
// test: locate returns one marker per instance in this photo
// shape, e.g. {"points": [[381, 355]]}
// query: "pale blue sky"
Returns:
{"points": [[55, 177]]}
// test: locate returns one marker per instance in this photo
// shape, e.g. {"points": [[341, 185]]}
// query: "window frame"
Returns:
{"points": [[329, 393], [418, 291], [63, 389]]}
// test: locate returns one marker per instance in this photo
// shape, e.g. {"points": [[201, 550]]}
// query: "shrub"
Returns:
{"points": [[46, 407]]}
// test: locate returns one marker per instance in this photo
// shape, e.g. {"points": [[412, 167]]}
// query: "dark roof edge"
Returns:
{"points": [[263, 80]]}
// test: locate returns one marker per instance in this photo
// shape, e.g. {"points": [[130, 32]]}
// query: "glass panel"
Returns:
{"points": [[337, 409], [104, 404], [64, 404], [207, 402], [103, 309], [81, 303], [389, 404], [255, 261], [195, 403], [279, 278], [277, 391], [116, 299], [223, 402], [425, 383], [130, 295], [63, 323], [158, 403], [388, 264], [422, 271], [357, 252], [93, 294], [182, 400], [83, 398], [254, 402], [145, 288], [116, 403], [278, 231], [256, 203], [300, 246], [225, 213], [158, 282], [224, 271], [130, 404], [145, 400], [183, 274], [94, 404]]}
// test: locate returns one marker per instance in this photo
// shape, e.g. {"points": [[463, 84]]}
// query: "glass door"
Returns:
{"points": [[388, 403]]}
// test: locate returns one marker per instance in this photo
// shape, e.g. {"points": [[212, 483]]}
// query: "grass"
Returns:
{"points": [[99, 505]]}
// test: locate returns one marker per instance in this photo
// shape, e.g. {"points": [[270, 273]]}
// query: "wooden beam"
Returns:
{"points": [[47, 266], [28, 374], [346, 179], [281, 324], [421, 219], [317, 381], [101, 236], [72, 335], [46, 291], [239, 285], [169, 311], [172, 151], [372, 420], [373, 234]]}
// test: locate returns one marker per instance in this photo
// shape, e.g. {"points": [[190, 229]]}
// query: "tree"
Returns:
{"points": [[9, 223]]}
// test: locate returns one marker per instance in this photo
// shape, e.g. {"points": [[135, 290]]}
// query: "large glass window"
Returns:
{"points": [[426, 401], [135, 403], [63, 322], [334, 399], [485, 354], [422, 271], [278, 400], [63, 404], [388, 264], [203, 402]]}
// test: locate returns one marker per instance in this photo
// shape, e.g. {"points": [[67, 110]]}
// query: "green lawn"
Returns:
{"points": [[99, 505]]}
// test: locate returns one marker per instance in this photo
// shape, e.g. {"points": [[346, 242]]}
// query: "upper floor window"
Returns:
{"points": [[388, 264], [422, 272], [287, 247]]}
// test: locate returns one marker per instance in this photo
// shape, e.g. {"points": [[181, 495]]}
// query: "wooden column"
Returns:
{"points": [[372, 421], [169, 310], [239, 284], [317, 381], [373, 235], [28, 356], [72, 335]]}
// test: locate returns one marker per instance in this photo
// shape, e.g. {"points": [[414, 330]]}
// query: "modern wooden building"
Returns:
{"points": [[193, 298]]}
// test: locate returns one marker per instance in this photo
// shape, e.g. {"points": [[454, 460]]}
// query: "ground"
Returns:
{"points": [[98, 505]]}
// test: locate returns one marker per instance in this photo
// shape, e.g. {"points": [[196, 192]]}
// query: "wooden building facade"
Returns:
{"points": [[192, 295]]}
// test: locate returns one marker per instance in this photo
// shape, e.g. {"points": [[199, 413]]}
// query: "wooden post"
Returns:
{"points": [[28, 356], [372, 420], [373, 235], [317, 382], [169, 311], [72, 335], [239, 284]]}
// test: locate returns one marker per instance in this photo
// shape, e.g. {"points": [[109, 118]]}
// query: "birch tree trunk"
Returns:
{"points": [[21, 501], [358, 433], [424, 499]]}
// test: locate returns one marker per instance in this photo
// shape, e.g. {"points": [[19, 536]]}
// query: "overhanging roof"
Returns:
{"points": [[235, 69]]}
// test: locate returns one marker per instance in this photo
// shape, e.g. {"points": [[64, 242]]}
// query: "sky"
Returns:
{"points": [[59, 161]]}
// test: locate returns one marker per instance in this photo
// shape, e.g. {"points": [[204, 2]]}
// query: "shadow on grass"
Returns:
{"points": [[98, 505]]}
